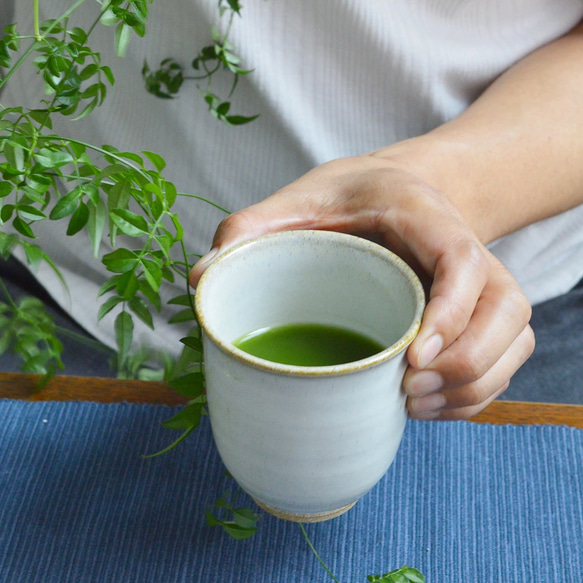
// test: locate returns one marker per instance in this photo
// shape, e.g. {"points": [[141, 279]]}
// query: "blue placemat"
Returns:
{"points": [[462, 502]]}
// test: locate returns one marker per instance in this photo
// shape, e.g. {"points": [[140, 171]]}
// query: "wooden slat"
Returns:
{"points": [[102, 390], [523, 413], [70, 388]]}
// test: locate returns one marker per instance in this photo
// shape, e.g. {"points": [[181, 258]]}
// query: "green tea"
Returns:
{"points": [[308, 345]]}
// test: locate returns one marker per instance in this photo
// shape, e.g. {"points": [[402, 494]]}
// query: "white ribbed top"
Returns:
{"points": [[331, 78]]}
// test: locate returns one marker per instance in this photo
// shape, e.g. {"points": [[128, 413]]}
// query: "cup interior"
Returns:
{"points": [[316, 277]]}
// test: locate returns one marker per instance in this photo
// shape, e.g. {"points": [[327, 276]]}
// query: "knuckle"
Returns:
{"points": [[471, 367], [528, 342], [468, 251], [235, 221], [516, 304], [234, 226], [475, 395], [457, 311], [473, 254]]}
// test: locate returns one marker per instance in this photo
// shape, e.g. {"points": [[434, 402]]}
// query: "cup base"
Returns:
{"points": [[299, 517]]}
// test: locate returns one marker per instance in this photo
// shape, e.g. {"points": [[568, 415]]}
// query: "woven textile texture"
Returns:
{"points": [[462, 502]]}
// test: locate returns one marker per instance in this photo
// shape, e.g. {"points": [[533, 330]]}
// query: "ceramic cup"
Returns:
{"points": [[307, 442]]}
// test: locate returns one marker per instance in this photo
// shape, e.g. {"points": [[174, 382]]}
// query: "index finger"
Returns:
{"points": [[460, 275]]}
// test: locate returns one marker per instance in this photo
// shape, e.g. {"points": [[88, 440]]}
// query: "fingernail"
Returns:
{"points": [[429, 350], [207, 258], [199, 267], [427, 405], [423, 383]]}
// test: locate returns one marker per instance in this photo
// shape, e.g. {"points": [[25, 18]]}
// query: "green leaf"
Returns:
{"points": [[238, 533], [30, 213], [192, 342], [108, 285], [245, 518], [78, 149], [182, 316], [211, 519], [78, 35], [122, 38], [405, 574], [177, 226], [88, 71], [133, 157], [66, 205], [6, 188], [52, 158], [166, 81], [88, 109], [112, 170], [167, 273], [152, 296], [120, 260], [223, 108], [156, 190], [23, 228], [108, 74], [171, 193], [7, 212], [8, 242], [32, 196], [42, 116], [152, 273], [96, 225], [78, 220], [129, 223], [237, 120], [39, 183], [165, 242], [190, 385], [107, 306], [14, 154], [181, 300], [34, 254], [139, 308], [124, 332], [108, 17], [157, 160], [186, 418], [127, 285]]}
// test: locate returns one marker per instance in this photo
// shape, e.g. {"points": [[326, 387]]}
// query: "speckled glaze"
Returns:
{"points": [[307, 442]]}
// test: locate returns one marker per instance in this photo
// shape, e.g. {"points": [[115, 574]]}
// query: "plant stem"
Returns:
{"points": [[204, 200], [87, 341], [7, 295], [316, 553], [37, 35]]}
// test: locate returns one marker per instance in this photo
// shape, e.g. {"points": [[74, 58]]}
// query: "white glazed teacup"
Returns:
{"points": [[307, 442]]}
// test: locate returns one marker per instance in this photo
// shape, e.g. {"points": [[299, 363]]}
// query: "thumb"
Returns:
{"points": [[254, 221]]}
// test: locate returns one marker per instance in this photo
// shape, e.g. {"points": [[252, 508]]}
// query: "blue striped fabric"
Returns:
{"points": [[462, 502]]}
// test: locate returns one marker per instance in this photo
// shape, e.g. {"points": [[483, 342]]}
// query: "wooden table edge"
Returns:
{"points": [[106, 390]]}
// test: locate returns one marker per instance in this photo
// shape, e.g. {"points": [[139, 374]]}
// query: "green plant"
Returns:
{"points": [[100, 190], [166, 81]]}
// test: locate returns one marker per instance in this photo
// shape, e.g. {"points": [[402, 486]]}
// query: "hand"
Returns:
{"points": [[474, 334]]}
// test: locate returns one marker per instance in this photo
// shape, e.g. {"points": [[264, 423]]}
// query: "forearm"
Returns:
{"points": [[514, 156]]}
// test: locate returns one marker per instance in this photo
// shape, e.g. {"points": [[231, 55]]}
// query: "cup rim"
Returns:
{"points": [[311, 371]]}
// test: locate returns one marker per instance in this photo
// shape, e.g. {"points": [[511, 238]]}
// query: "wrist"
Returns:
{"points": [[448, 167]]}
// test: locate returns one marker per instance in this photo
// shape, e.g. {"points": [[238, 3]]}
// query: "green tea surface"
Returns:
{"points": [[308, 345]]}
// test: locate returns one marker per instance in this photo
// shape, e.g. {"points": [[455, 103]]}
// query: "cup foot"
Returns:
{"points": [[299, 517]]}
